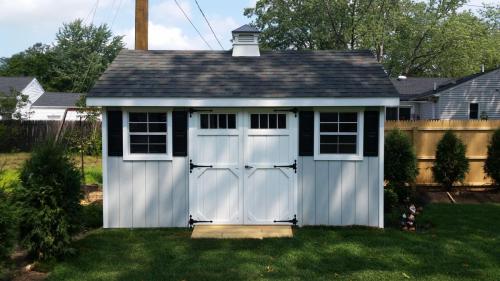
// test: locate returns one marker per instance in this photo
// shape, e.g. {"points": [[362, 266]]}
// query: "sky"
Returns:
{"points": [[26, 22]]}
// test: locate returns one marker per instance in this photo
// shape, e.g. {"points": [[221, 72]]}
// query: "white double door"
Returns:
{"points": [[242, 166]]}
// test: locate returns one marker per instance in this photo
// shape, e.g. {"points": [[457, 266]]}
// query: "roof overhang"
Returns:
{"points": [[241, 102]]}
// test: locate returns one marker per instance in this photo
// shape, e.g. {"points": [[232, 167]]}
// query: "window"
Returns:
{"points": [[473, 111], [147, 135], [217, 121], [404, 113], [268, 121], [338, 136], [391, 113], [398, 113]]}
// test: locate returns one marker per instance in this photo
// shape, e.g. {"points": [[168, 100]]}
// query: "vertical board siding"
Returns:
{"points": [[338, 192], [147, 193]]}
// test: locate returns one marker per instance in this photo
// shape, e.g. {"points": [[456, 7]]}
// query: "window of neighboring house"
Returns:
{"points": [[338, 135], [404, 113], [53, 117], [473, 111], [391, 113], [147, 135]]}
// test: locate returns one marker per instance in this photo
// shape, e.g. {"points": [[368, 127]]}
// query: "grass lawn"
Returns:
{"points": [[464, 244]]}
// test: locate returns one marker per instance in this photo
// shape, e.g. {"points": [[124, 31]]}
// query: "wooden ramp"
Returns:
{"points": [[241, 231]]}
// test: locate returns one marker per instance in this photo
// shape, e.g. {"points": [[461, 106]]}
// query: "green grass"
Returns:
{"points": [[462, 245]]}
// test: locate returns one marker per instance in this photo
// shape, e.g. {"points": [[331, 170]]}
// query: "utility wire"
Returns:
{"points": [[199, 33], [209, 25], [116, 14]]}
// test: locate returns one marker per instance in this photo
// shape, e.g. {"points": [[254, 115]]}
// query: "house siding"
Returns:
{"points": [[34, 90], [454, 103], [339, 192]]}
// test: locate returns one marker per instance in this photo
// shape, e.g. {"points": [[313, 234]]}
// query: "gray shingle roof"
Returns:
{"points": [[412, 87], [246, 29], [17, 83], [57, 100], [219, 74]]}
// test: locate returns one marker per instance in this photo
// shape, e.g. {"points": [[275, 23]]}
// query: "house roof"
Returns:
{"points": [[50, 99], [17, 83], [413, 87], [218, 74], [246, 29]]}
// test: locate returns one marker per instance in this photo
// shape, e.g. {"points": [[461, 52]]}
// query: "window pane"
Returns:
{"points": [[347, 148], [158, 127], [157, 117], [391, 113], [328, 127], [231, 121], [137, 117], [328, 117], [281, 121], [158, 139], [157, 148], [328, 148], [138, 148], [213, 121], [263, 121], [254, 121], [222, 121], [328, 139], [138, 139], [138, 127], [348, 127], [347, 139], [273, 123], [348, 117], [404, 113], [204, 121], [473, 111]]}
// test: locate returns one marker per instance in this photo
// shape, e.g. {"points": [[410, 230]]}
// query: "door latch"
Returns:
{"points": [[293, 166]]}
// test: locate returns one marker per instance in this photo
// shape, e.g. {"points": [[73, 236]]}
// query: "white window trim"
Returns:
{"points": [[478, 111], [339, 157], [127, 156]]}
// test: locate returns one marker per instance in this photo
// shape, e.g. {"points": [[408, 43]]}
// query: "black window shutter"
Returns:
{"points": [[179, 131], [115, 133], [371, 128], [306, 133]]}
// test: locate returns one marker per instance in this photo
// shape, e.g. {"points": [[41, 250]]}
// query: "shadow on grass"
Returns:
{"points": [[463, 246]]}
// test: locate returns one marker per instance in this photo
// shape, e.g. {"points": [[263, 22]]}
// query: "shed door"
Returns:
{"points": [[270, 179], [215, 180]]}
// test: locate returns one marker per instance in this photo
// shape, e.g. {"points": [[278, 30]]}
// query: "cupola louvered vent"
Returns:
{"points": [[246, 38], [246, 42]]}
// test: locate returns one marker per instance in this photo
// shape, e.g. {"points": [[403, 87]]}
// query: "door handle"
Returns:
{"points": [[248, 167]]}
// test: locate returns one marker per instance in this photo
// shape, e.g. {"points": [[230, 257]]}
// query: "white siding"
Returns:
{"points": [[147, 193], [52, 114], [454, 103], [339, 192], [34, 90]]}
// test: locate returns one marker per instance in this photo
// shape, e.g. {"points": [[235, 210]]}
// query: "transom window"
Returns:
{"points": [[218, 121], [268, 121], [148, 132], [338, 133]]}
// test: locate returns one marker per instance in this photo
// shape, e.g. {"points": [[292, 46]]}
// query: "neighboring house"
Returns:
{"points": [[243, 136], [472, 97], [27, 86], [54, 106]]}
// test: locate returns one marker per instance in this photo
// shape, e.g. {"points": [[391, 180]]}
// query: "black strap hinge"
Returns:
{"points": [[192, 110], [293, 166], [192, 166], [294, 110], [293, 221], [193, 221]]}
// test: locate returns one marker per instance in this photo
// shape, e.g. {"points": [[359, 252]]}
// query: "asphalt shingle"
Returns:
{"points": [[16, 83], [49, 99], [218, 74]]}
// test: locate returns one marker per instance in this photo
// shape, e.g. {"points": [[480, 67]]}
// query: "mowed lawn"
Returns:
{"points": [[463, 244]]}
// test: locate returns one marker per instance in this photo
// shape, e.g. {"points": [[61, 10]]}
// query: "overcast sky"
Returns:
{"points": [[26, 22]]}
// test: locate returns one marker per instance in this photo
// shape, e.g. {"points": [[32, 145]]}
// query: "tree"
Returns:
{"points": [[49, 201], [492, 164], [35, 61], [451, 164], [400, 167]]}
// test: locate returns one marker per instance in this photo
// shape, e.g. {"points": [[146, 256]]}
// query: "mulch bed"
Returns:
{"points": [[461, 197]]}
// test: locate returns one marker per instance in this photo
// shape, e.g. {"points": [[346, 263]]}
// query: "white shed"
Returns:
{"points": [[243, 136]]}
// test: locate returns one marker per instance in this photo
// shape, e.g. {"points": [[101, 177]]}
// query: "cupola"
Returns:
{"points": [[246, 41]]}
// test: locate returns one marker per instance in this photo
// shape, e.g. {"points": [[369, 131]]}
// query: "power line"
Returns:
{"points": [[116, 13], [199, 33], [209, 25]]}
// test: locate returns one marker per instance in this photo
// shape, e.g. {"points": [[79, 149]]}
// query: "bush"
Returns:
{"points": [[92, 215], [492, 165], [451, 164], [400, 165], [390, 200], [49, 202], [7, 227]]}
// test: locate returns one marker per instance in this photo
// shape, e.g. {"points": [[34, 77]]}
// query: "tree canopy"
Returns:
{"points": [[416, 38], [79, 55]]}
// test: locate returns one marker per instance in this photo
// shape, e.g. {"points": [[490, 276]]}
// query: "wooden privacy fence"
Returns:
{"points": [[18, 135], [425, 135]]}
